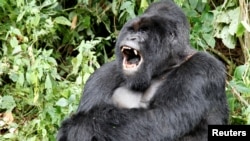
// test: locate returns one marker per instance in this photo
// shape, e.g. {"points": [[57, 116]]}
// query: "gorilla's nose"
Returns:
{"points": [[133, 38]]}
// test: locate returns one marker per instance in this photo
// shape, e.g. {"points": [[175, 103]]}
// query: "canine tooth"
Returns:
{"points": [[135, 51]]}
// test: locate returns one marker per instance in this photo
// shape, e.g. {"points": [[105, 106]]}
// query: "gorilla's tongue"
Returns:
{"points": [[131, 57], [130, 63]]}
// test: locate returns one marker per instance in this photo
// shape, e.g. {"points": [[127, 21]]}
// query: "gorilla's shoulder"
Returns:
{"points": [[105, 72], [206, 61], [107, 68], [207, 57], [108, 71]]}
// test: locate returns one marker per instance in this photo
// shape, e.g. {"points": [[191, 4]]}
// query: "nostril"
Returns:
{"points": [[133, 38]]}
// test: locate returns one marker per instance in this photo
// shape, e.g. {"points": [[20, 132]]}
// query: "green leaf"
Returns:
{"points": [[36, 20], [52, 61], [209, 39], [47, 52], [114, 7], [228, 40], [20, 16], [16, 50], [79, 80], [47, 3], [62, 20], [125, 5], [20, 3], [13, 42], [86, 21], [201, 5], [239, 71], [144, 4], [75, 63], [222, 17], [86, 77], [246, 25], [129, 7], [15, 31], [242, 27], [191, 12], [247, 114], [33, 77], [48, 83], [3, 3], [20, 80], [13, 76], [234, 16], [62, 102], [107, 24], [193, 3], [240, 87], [7, 102], [231, 102], [240, 30]]}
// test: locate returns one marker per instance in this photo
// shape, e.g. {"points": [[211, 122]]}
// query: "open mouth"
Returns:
{"points": [[131, 58]]}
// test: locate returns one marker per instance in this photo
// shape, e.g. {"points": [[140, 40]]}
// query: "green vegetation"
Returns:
{"points": [[48, 49]]}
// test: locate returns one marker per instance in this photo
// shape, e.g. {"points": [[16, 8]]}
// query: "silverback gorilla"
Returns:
{"points": [[157, 89]]}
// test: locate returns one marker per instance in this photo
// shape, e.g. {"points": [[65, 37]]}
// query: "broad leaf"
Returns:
{"points": [[62, 20]]}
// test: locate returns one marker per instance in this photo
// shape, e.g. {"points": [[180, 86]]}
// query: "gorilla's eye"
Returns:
{"points": [[143, 29], [131, 58]]}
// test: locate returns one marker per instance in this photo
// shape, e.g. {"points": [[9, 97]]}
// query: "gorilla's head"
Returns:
{"points": [[153, 43]]}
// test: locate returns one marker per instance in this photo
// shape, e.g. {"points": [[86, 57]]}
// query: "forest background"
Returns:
{"points": [[49, 48]]}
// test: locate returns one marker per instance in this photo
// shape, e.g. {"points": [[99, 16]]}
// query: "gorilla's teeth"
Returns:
{"points": [[125, 47], [135, 51]]}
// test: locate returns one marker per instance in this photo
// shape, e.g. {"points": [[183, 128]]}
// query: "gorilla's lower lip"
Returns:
{"points": [[131, 58]]}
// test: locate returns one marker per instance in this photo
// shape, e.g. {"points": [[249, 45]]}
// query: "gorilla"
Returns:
{"points": [[157, 89]]}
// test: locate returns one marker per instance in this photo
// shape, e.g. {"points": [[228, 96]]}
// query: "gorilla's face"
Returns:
{"points": [[150, 44], [133, 48]]}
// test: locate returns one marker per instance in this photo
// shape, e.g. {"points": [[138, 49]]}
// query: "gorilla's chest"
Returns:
{"points": [[123, 97]]}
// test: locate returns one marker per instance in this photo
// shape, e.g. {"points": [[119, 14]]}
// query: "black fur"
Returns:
{"points": [[190, 97]]}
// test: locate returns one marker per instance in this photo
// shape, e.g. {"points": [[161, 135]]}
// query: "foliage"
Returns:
{"points": [[230, 25], [40, 82], [49, 48]]}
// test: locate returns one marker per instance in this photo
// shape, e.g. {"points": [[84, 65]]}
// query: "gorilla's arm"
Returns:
{"points": [[173, 119], [100, 87]]}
